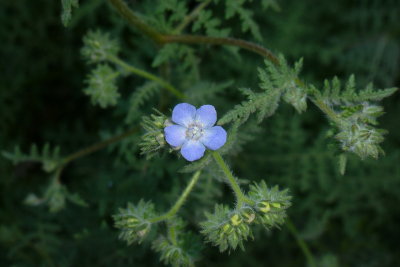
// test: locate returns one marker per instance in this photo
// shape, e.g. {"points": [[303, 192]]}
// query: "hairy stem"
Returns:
{"points": [[304, 248], [178, 204], [147, 75], [160, 38], [327, 110], [199, 39], [240, 196], [98, 146]]}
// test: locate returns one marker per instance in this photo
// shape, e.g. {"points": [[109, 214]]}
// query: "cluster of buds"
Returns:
{"points": [[134, 221], [101, 86], [271, 213], [98, 47], [361, 113], [362, 140], [153, 139], [296, 96], [270, 204], [228, 229]]}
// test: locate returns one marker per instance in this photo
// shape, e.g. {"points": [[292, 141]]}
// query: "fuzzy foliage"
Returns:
{"points": [[55, 196], [275, 81], [357, 113], [288, 149], [101, 86], [153, 139], [270, 204], [49, 157], [225, 228], [179, 248], [98, 47], [134, 221], [229, 229]]}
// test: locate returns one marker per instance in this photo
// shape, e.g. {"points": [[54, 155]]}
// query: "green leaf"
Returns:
{"points": [[275, 80], [333, 92], [134, 221], [101, 86], [98, 47], [49, 157], [67, 6], [246, 16]]}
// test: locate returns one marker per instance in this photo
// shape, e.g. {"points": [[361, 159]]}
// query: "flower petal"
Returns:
{"points": [[183, 114], [214, 137], [206, 115], [192, 150], [175, 135]]}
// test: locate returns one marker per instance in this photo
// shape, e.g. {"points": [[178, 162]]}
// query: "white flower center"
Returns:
{"points": [[194, 132]]}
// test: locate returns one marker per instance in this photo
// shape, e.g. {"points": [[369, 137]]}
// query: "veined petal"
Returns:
{"points": [[214, 137], [192, 150], [175, 135], [206, 115], [183, 114]]}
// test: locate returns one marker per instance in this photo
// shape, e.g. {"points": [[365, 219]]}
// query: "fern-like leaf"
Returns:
{"points": [[275, 81], [48, 156], [334, 93], [246, 16]]}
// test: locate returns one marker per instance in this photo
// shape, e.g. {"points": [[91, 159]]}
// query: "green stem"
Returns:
{"points": [[147, 75], [327, 110], [97, 146], [304, 248], [178, 204], [160, 38], [189, 18], [198, 39], [240, 196], [172, 234]]}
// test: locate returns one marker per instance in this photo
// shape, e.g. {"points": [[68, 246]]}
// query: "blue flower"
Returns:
{"points": [[194, 130]]}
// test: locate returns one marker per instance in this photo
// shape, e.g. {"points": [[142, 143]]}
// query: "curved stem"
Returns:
{"points": [[146, 75], [198, 39], [97, 146], [240, 196], [160, 38], [178, 204], [304, 248]]}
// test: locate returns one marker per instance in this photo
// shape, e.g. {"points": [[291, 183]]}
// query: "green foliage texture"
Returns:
{"points": [[303, 134]]}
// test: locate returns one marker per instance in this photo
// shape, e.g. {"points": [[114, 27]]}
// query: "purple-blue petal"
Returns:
{"points": [[206, 115], [192, 150], [183, 114], [214, 137], [175, 135]]}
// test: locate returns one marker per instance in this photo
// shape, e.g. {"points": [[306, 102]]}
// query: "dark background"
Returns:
{"points": [[350, 220]]}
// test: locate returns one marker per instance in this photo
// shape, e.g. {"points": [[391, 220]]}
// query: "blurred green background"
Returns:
{"points": [[350, 220]]}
